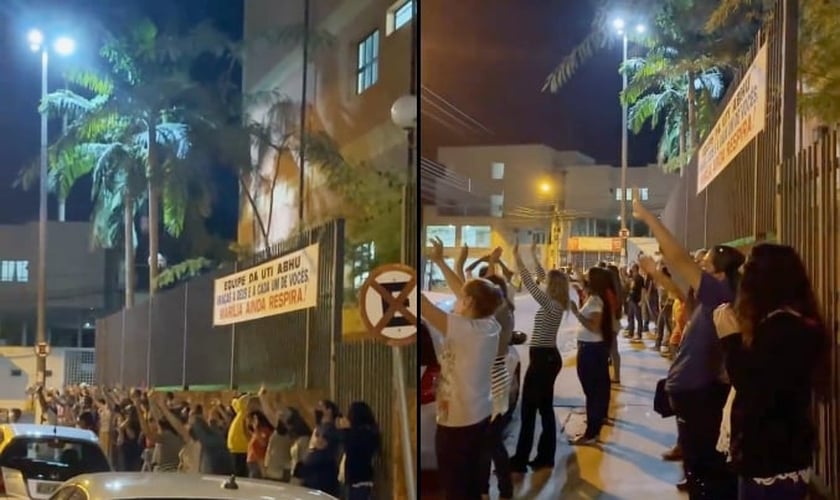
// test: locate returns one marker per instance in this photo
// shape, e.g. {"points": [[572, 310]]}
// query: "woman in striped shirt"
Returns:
{"points": [[543, 368], [495, 450]]}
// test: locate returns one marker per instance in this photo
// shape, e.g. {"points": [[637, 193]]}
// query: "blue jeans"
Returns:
{"points": [[780, 490], [594, 374]]}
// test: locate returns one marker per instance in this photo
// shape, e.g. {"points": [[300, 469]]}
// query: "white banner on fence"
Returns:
{"points": [[285, 284], [742, 119]]}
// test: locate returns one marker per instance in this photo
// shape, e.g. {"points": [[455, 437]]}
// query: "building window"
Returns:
{"points": [[643, 194], [498, 171], [476, 236], [14, 271], [539, 237], [399, 15], [497, 202], [367, 68], [445, 233]]}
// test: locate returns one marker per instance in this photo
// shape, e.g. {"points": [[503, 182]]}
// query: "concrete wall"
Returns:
{"points": [[75, 271], [13, 388]]}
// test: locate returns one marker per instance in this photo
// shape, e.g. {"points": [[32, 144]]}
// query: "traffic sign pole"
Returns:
{"points": [[393, 319]]}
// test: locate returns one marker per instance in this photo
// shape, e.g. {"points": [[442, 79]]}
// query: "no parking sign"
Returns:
{"points": [[388, 302]]}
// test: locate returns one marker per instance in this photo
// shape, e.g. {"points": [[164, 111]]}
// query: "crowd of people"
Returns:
{"points": [[747, 345], [249, 436]]}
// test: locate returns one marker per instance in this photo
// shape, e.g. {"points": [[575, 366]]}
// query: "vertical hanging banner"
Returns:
{"points": [[282, 285], [742, 119]]}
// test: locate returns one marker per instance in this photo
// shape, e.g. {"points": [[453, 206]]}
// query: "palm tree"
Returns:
{"points": [[680, 48], [658, 91]]}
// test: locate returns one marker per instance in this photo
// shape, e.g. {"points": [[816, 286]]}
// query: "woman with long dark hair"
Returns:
{"points": [[468, 341], [617, 298], [696, 383], [361, 439], [544, 365], [260, 429], [595, 336], [777, 355]]}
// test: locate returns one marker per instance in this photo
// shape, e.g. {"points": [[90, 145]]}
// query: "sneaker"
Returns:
{"points": [[583, 440], [673, 455]]}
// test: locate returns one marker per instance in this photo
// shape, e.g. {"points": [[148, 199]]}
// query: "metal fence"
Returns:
{"points": [[810, 222], [740, 202], [171, 341], [771, 192]]}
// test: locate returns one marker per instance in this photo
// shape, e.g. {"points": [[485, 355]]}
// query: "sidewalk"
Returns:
{"points": [[627, 464]]}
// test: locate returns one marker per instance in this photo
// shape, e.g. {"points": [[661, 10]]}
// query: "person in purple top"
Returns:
{"points": [[697, 384]]}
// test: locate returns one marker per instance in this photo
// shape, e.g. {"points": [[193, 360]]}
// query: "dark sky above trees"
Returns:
{"points": [[20, 72], [489, 58]]}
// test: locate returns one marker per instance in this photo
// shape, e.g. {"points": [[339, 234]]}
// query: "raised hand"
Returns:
{"points": [[496, 254], [436, 252]]}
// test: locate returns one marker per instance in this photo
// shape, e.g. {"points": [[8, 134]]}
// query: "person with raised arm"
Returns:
{"points": [[544, 366], [468, 342], [696, 383]]}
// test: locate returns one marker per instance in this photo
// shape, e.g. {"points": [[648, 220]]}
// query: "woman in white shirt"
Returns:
{"points": [[468, 347], [595, 336]]}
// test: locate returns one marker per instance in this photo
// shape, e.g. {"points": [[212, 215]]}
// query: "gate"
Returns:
{"points": [[810, 222]]}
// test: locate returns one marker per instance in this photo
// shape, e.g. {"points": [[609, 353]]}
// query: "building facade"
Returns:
{"points": [[359, 63], [534, 190], [82, 283]]}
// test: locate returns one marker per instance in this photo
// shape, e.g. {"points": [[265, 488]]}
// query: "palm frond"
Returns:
{"points": [[588, 47]]}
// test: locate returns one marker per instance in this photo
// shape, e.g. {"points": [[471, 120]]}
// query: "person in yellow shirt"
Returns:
{"points": [[238, 438]]}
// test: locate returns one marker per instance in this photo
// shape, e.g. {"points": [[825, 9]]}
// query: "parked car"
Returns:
{"points": [[36, 459], [429, 375], [148, 485]]}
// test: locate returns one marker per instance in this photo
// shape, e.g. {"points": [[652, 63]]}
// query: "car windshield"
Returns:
{"points": [[53, 458]]}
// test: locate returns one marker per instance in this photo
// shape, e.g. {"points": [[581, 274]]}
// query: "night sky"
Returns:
{"points": [[20, 86], [489, 58]]}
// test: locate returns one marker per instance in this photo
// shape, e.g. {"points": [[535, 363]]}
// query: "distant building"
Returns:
{"points": [[529, 187], [82, 283]]}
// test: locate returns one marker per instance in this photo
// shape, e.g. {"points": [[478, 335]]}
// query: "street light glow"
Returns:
{"points": [[545, 187], [640, 28], [618, 24], [35, 39], [65, 45]]}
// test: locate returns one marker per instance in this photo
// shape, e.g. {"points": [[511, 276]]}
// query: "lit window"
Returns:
{"points": [[445, 233], [643, 194], [14, 271], [497, 202], [403, 14], [367, 68], [498, 171], [476, 236]]}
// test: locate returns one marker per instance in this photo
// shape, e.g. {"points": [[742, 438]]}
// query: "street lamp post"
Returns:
{"points": [[619, 26], [404, 115], [63, 46]]}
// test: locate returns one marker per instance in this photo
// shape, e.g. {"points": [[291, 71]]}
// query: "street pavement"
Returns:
{"points": [[627, 463]]}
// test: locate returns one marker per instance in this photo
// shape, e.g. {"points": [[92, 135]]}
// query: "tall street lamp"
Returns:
{"points": [[620, 28], [63, 46], [404, 115]]}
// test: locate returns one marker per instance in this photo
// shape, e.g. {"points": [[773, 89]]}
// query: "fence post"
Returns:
{"points": [[149, 312], [787, 139], [122, 347], [233, 340], [184, 344]]}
